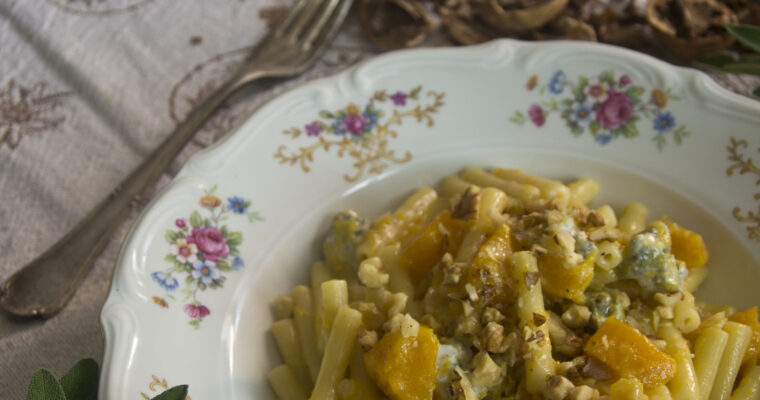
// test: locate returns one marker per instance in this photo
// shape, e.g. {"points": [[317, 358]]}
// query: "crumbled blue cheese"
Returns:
{"points": [[649, 262], [605, 304], [345, 235]]}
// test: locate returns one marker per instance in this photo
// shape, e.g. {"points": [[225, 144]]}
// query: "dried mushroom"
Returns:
{"points": [[629, 35], [691, 28], [394, 23], [460, 22], [518, 15], [567, 27]]}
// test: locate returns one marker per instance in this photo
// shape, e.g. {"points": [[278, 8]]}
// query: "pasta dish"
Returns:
{"points": [[506, 285]]}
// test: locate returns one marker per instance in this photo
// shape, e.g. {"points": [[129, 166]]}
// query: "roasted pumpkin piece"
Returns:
{"points": [[628, 353], [404, 368], [564, 281], [688, 246], [399, 225], [425, 249], [749, 317], [488, 272]]}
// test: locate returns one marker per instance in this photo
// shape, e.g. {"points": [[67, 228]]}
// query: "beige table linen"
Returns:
{"points": [[87, 89]]}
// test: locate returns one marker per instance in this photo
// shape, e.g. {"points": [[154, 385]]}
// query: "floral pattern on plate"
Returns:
{"points": [[363, 133], [606, 106], [203, 250], [744, 165]]}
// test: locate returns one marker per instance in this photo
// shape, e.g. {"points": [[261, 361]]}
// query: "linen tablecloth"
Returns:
{"points": [[87, 89]]}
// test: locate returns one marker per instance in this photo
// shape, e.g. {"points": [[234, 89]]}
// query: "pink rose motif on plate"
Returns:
{"points": [[615, 111], [536, 114], [604, 106], [210, 241], [354, 124], [202, 251]]}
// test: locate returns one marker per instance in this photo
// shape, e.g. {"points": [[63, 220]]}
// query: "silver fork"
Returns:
{"points": [[43, 287]]}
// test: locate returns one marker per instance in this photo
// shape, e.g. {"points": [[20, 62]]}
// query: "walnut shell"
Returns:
{"points": [[698, 37], [521, 19], [394, 23]]}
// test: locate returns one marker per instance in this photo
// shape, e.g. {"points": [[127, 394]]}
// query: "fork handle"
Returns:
{"points": [[44, 286]]}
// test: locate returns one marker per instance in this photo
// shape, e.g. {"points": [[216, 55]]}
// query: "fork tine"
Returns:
{"points": [[318, 40], [301, 23], [293, 13], [320, 21]]}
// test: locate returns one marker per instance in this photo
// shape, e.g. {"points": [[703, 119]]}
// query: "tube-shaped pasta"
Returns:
{"points": [[492, 204], [285, 385], [609, 255], [549, 189], [708, 350], [334, 294], [749, 386], [608, 215], [453, 185], [684, 383], [533, 320], [304, 320], [627, 388], [659, 392], [695, 278], [338, 351], [634, 218], [685, 315], [738, 340], [520, 191], [583, 191], [399, 281], [284, 332], [394, 227]]}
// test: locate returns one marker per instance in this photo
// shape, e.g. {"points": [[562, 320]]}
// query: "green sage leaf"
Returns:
{"points": [[81, 382], [175, 393], [44, 386], [748, 35]]}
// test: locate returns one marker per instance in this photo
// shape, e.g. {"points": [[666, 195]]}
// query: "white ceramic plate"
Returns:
{"points": [[258, 204]]}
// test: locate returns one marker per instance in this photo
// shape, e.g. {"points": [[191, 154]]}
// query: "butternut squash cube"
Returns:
{"points": [[630, 354], [686, 245], [566, 282], [404, 368], [425, 249], [489, 268]]}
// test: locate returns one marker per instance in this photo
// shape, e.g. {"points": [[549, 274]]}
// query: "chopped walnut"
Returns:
{"points": [[468, 204], [531, 278], [472, 294], [367, 339], [572, 369], [397, 303], [282, 307], [452, 273], [492, 336], [468, 326], [461, 388], [583, 392], [486, 373], [371, 275], [576, 316], [404, 324], [557, 387], [538, 319], [595, 219], [492, 315], [597, 370], [538, 251]]}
